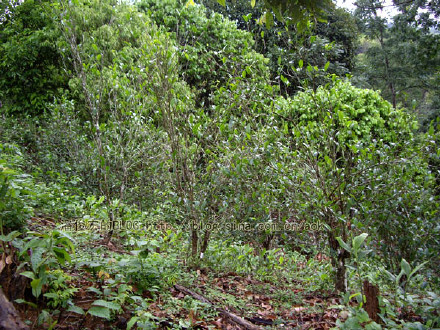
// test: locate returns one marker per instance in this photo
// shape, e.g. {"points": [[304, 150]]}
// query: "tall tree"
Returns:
{"points": [[298, 56], [402, 56], [291, 11]]}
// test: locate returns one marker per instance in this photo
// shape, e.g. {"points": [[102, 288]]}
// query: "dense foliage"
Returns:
{"points": [[181, 145]]}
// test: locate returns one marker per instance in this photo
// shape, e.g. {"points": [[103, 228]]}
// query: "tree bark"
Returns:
{"points": [[194, 242], [9, 318], [338, 257], [205, 241], [371, 306]]}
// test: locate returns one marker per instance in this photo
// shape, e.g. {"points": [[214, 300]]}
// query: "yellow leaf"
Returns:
{"points": [[190, 3], [103, 274]]}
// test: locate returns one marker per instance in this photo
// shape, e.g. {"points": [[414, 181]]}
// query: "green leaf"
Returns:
{"points": [[76, 309], [28, 274], [37, 285], [404, 265], [358, 240], [62, 255], [416, 269], [326, 66], [373, 326], [10, 237], [343, 244], [51, 295], [269, 20], [36, 258], [95, 290], [99, 311], [300, 64], [107, 304], [22, 301], [402, 272], [253, 3], [222, 2], [132, 322]]}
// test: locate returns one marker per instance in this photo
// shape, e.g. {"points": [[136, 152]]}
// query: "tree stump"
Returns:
{"points": [[372, 302]]}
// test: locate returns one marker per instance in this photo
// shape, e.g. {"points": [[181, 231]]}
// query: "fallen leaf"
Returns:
{"points": [[8, 260]]}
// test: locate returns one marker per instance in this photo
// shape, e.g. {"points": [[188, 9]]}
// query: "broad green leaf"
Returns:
{"points": [[132, 322], [10, 237], [269, 20], [404, 265], [300, 64], [373, 326], [62, 255], [93, 289], [222, 2], [36, 258], [52, 295], [28, 274], [253, 3], [358, 240], [37, 285], [99, 311], [76, 309], [326, 66], [402, 272], [108, 304], [344, 245], [416, 269]]}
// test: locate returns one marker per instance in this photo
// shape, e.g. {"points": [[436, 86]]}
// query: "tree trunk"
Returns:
{"points": [[205, 241], [194, 242], [371, 306], [338, 256], [341, 280]]}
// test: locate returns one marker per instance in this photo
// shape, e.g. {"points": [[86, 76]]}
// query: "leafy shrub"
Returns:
{"points": [[359, 166], [42, 253], [16, 189], [355, 114]]}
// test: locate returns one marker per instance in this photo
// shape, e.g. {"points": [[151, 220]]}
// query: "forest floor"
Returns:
{"points": [[279, 302]]}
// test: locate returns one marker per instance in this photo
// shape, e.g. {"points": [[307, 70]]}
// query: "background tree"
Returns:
{"points": [[403, 56], [31, 65], [212, 50], [296, 12], [298, 56]]}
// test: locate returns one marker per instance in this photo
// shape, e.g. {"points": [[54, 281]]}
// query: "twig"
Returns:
{"points": [[240, 321]]}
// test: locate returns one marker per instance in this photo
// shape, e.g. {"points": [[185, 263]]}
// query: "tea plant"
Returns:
{"points": [[42, 252]]}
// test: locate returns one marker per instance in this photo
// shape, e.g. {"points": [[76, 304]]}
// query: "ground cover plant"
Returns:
{"points": [[167, 179]]}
